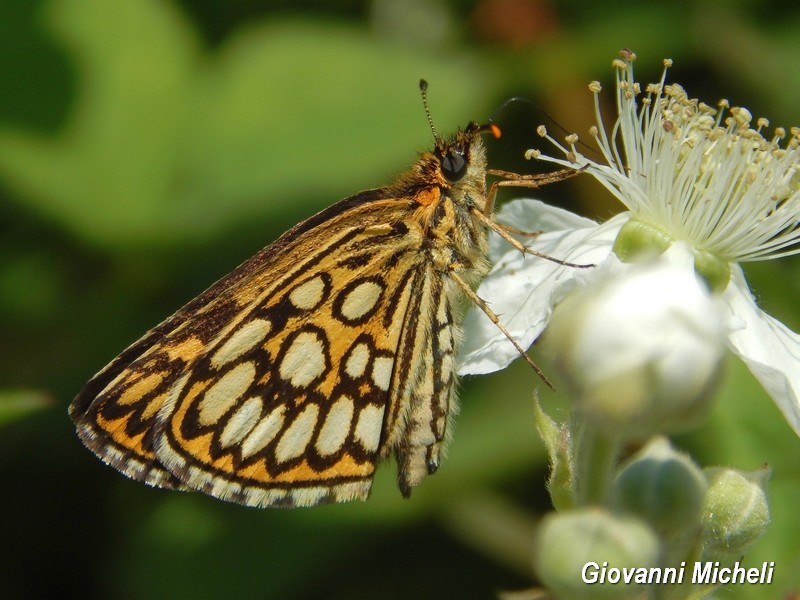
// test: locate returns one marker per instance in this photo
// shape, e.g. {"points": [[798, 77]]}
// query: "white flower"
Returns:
{"points": [[684, 173]]}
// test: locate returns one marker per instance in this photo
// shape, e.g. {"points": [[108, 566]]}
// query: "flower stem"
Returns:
{"points": [[596, 454]]}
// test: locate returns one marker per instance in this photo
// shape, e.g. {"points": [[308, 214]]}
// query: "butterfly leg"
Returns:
{"points": [[480, 303], [521, 232], [506, 231], [525, 181], [503, 233]]}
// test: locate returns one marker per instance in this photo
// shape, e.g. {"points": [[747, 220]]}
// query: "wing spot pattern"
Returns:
{"points": [[358, 301], [225, 392], [298, 434], [369, 426], [382, 372], [241, 422], [336, 428], [358, 360], [263, 433], [308, 295], [305, 359], [243, 339]]}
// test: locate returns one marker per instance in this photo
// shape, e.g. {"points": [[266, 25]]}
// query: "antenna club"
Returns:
{"points": [[423, 88]]}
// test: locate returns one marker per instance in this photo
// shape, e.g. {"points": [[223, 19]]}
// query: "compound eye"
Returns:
{"points": [[454, 166]]}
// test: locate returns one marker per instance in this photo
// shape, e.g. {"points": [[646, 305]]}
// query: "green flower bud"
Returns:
{"points": [[736, 512], [638, 240], [663, 487], [579, 555]]}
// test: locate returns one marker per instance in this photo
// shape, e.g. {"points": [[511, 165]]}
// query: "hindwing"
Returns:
{"points": [[274, 386]]}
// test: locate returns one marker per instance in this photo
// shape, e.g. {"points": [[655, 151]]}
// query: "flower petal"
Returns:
{"points": [[769, 349], [533, 215], [522, 290]]}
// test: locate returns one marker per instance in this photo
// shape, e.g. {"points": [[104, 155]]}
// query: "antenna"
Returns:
{"points": [[505, 105], [423, 89], [536, 105]]}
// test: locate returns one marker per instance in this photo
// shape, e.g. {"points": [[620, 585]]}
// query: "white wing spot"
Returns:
{"points": [[242, 340], [358, 360], [382, 372], [264, 432], [304, 361], [221, 396], [308, 295], [241, 422], [369, 426], [360, 300], [294, 440], [336, 427]]}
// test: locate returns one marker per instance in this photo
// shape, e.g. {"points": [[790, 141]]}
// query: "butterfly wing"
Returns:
{"points": [[286, 381], [272, 387]]}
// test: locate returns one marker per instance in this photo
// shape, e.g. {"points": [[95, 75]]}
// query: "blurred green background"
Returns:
{"points": [[148, 147]]}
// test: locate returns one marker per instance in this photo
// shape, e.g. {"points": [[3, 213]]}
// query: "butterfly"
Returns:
{"points": [[287, 381]]}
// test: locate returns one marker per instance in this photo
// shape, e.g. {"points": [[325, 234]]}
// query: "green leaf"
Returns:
{"points": [[167, 141], [16, 404], [557, 442]]}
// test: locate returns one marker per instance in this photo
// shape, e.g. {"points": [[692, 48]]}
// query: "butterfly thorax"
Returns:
{"points": [[443, 201]]}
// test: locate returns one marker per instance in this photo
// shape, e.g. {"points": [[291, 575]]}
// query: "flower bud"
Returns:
{"points": [[642, 345], [663, 487], [637, 239], [736, 512], [578, 554]]}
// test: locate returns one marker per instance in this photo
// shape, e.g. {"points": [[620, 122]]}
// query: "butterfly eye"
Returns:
{"points": [[454, 166]]}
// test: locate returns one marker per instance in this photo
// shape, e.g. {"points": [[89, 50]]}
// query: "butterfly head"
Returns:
{"points": [[464, 154], [456, 167], [461, 158]]}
